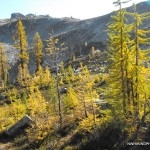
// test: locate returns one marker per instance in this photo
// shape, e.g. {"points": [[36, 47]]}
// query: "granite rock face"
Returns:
{"points": [[74, 33], [17, 16]]}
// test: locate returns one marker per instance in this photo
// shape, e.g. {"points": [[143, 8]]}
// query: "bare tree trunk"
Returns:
{"points": [[58, 94], [85, 111], [137, 65], [93, 112], [122, 65]]}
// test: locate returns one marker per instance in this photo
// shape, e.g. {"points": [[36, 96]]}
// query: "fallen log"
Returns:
{"points": [[23, 122]]}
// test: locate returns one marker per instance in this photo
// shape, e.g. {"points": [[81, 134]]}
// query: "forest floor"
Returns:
{"points": [[6, 146]]}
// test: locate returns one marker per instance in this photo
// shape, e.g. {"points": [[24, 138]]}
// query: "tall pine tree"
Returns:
{"points": [[140, 73], [38, 46], [119, 42], [21, 44]]}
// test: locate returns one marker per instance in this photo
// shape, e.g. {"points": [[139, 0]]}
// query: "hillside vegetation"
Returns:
{"points": [[97, 101]]}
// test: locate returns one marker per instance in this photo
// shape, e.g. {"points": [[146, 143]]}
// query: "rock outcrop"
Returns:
{"points": [[17, 16], [74, 33]]}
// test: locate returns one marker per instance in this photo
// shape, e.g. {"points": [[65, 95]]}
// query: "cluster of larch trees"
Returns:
{"points": [[128, 88], [48, 108]]}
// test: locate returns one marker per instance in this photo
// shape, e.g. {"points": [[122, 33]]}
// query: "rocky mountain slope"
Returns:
{"points": [[73, 32]]}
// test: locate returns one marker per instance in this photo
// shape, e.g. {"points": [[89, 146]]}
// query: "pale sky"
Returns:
{"points": [[82, 9]]}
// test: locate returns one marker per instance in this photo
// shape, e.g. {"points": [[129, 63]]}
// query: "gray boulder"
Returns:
{"points": [[26, 120], [17, 16]]}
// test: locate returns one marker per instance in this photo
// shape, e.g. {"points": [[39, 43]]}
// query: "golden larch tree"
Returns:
{"points": [[21, 44]]}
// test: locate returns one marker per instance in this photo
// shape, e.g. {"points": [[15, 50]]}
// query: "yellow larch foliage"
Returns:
{"points": [[21, 44], [38, 47], [3, 66]]}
